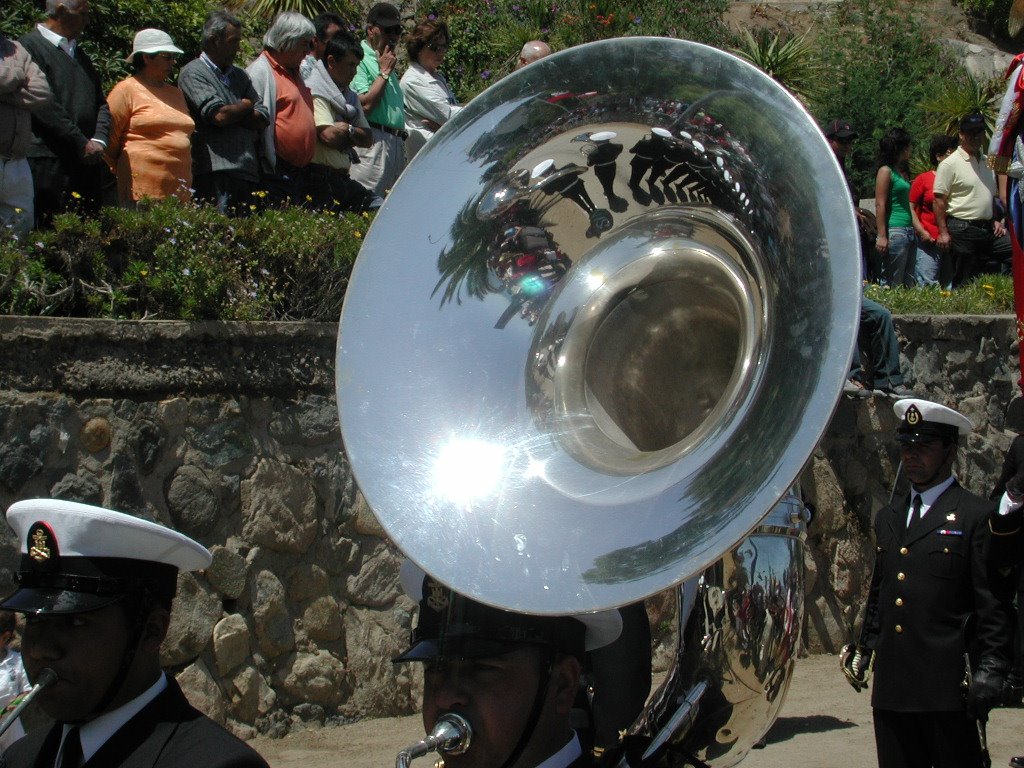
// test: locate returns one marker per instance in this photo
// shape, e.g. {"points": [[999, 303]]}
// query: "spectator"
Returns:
{"points": [[964, 192], [66, 155], [149, 148], [289, 139], [922, 197], [229, 117], [380, 94], [429, 101], [841, 136], [533, 51], [13, 680], [23, 92], [326, 26], [876, 330], [896, 242], [341, 126]]}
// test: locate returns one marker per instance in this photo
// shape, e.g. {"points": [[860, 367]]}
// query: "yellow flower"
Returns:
{"points": [[358, 234], [945, 293], [76, 196], [144, 272], [988, 287]]}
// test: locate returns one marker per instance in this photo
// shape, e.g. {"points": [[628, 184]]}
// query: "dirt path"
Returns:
{"points": [[824, 723]]}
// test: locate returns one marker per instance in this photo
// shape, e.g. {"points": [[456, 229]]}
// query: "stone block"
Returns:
{"points": [[202, 691], [372, 639], [228, 572], [95, 435], [311, 423], [231, 644], [279, 508], [317, 678], [376, 583], [270, 614], [193, 501], [364, 521], [173, 412], [322, 619], [18, 464], [306, 582], [196, 612], [125, 491], [245, 694], [82, 487]]}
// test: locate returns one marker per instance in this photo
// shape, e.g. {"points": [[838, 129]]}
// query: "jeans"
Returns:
{"points": [[974, 249], [879, 337], [898, 263], [929, 264]]}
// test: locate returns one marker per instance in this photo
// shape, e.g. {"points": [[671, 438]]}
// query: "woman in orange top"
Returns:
{"points": [[150, 151]]}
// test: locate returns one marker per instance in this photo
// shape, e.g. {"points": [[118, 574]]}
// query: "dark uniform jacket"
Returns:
{"points": [[167, 733], [79, 110], [927, 580]]}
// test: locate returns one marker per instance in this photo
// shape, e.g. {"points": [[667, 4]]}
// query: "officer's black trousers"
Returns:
{"points": [[926, 740]]}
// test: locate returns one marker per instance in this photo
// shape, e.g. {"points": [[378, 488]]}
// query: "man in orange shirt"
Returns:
{"points": [[289, 141]]}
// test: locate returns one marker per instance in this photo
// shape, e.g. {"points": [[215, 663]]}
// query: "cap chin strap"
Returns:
{"points": [[548, 664]]}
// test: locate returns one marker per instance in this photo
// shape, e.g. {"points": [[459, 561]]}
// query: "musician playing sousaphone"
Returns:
{"points": [[513, 677]]}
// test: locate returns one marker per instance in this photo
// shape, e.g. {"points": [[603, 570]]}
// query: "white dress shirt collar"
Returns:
{"points": [[95, 733], [566, 755], [58, 41], [928, 497]]}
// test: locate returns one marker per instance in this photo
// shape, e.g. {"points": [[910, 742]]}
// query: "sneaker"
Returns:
{"points": [[856, 389]]}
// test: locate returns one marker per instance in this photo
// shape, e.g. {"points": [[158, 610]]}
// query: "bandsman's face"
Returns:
{"points": [[496, 695], [84, 649], [923, 462]]}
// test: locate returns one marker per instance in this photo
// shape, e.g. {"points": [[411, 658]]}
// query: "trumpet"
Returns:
{"points": [[47, 677], [451, 736]]}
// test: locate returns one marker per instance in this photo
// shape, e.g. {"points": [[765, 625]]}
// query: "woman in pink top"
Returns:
{"points": [[921, 197], [150, 151]]}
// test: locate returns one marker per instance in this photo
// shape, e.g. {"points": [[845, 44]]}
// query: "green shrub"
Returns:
{"points": [[174, 261], [486, 40], [879, 67]]}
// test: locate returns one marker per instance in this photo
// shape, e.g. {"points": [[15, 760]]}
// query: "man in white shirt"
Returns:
{"points": [[96, 588], [512, 676]]}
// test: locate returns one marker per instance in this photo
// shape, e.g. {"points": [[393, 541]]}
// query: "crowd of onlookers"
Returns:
{"points": [[940, 227], [318, 119]]}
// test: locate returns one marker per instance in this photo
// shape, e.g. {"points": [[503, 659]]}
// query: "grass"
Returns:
{"points": [[985, 295]]}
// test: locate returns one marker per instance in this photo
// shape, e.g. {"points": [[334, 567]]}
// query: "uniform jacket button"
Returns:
{"points": [[901, 576], [899, 628], [899, 601], [904, 550]]}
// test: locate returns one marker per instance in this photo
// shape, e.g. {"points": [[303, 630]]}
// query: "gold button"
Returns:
{"points": [[945, 550], [898, 629], [901, 576], [904, 550], [899, 601]]}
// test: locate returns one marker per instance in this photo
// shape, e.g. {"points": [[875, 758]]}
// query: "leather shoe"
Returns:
{"points": [[1017, 762]]}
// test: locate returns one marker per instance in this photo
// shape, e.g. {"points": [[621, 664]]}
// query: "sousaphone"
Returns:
{"points": [[599, 326]]}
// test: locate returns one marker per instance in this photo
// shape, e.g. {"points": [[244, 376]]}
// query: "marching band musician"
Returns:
{"points": [[930, 577], [512, 676], [96, 588]]}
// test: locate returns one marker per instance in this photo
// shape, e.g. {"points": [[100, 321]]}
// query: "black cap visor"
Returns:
{"points": [[926, 432], [40, 601]]}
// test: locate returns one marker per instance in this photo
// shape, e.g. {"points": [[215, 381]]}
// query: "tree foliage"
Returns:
{"points": [[879, 67]]}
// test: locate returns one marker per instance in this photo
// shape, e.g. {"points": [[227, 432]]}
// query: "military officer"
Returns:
{"points": [[513, 677], [930, 577], [96, 588]]}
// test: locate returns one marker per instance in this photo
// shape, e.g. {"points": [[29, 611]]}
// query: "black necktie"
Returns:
{"points": [[71, 753], [916, 506]]}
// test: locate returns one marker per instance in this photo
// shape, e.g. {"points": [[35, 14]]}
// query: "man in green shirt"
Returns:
{"points": [[380, 95]]}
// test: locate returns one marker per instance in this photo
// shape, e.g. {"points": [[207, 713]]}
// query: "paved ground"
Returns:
{"points": [[823, 723]]}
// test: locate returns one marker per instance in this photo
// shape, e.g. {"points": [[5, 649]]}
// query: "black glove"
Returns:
{"points": [[986, 689], [856, 661]]}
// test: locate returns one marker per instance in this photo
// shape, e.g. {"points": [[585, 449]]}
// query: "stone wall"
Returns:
{"points": [[229, 433]]}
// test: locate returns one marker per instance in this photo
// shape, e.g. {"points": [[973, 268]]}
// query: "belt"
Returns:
{"points": [[403, 135], [974, 222]]}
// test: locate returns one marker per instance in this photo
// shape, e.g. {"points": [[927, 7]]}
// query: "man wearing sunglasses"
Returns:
{"points": [[380, 95]]}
